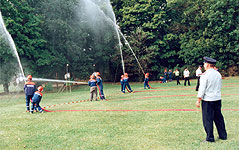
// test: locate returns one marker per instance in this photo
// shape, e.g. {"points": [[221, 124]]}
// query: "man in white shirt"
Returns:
{"points": [[210, 95], [198, 74], [186, 74]]}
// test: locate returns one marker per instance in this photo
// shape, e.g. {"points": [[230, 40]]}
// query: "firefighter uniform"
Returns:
{"points": [[146, 81], [126, 84], [29, 89], [210, 94], [36, 99], [100, 84]]}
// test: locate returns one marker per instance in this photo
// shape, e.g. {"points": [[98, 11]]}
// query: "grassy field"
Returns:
{"points": [[100, 125]]}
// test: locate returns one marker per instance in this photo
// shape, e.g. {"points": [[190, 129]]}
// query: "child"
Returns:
{"points": [[29, 89], [176, 72], [121, 82], [146, 81], [126, 83], [170, 75], [99, 82], [163, 80], [165, 75], [93, 88], [36, 99]]}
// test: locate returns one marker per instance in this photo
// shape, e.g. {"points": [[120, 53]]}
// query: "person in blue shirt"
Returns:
{"points": [[121, 82], [36, 99], [126, 83], [170, 75], [100, 84], [165, 75], [93, 88], [146, 81], [29, 89]]}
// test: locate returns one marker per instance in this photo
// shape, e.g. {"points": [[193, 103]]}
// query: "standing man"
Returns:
{"points": [[29, 89], [210, 95], [198, 74], [186, 74]]}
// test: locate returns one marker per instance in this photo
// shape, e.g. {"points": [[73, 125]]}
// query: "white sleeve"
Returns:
{"points": [[202, 87]]}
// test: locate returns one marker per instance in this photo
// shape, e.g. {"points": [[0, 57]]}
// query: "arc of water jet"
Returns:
{"points": [[126, 42], [12, 44], [53, 80]]}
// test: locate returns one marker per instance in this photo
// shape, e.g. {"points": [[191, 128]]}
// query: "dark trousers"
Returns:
{"points": [[198, 83], [122, 84], [102, 96], [126, 85], [146, 83], [186, 79], [177, 78], [28, 98], [211, 112], [35, 105]]}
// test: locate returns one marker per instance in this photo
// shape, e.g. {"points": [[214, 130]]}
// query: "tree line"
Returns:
{"points": [[163, 34]]}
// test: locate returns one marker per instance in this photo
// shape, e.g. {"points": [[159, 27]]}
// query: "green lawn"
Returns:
{"points": [[118, 130]]}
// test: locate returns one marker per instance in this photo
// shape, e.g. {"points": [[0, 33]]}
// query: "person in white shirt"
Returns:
{"points": [[209, 94], [198, 74], [186, 74]]}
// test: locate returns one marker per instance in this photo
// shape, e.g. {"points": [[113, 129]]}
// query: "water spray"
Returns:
{"points": [[59, 81], [118, 32], [12, 44]]}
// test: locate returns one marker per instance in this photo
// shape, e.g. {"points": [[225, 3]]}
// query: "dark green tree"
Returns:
{"points": [[24, 26]]}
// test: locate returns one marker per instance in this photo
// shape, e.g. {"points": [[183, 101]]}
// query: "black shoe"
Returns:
{"points": [[205, 141], [222, 138]]}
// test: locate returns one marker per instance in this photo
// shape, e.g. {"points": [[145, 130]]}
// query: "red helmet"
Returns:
{"points": [[147, 74], [40, 88], [29, 76]]}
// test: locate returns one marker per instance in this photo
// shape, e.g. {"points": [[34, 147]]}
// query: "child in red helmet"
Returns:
{"points": [[146, 81], [126, 83], [93, 88], [36, 99], [29, 89], [99, 82]]}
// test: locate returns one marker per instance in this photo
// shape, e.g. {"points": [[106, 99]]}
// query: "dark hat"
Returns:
{"points": [[209, 60]]}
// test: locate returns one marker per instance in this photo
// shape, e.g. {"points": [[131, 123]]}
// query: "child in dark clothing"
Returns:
{"points": [[146, 81], [99, 82], [29, 89], [36, 99], [126, 83]]}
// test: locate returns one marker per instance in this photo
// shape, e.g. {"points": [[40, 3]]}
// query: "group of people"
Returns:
{"points": [[33, 96], [94, 82], [168, 76], [208, 87]]}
